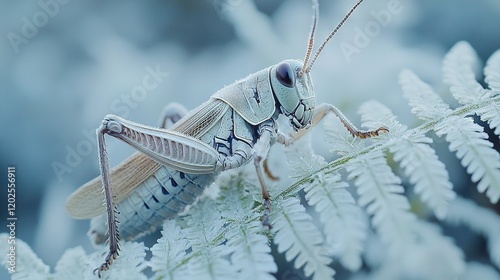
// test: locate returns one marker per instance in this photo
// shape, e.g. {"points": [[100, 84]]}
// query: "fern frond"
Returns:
{"points": [[431, 256], [169, 252], [336, 206], [338, 210], [223, 237], [129, 265], [249, 247], [418, 160], [479, 219], [27, 263], [298, 237], [235, 200], [380, 191], [436, 251], [251, 252], [374, 115], [491, 113], [465, 137], [74, 264], [301, 158], [492, 72], [341, 140], [424, 170], [205, 234], [426, 104], [477, 155], [458, 71]]}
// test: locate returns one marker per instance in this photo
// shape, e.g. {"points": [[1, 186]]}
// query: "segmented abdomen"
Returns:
{"points": [[161, 196]]}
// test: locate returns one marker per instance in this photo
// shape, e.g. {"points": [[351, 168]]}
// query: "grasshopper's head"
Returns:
{"points": [[294, 91], [292, 83]]}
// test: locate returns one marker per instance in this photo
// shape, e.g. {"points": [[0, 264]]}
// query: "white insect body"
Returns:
{"points": [[174, 164]]}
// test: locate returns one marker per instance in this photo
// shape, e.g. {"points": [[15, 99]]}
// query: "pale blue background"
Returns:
{"points": [[78, 66]]}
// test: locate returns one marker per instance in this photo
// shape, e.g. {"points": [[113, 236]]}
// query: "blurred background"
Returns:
{"points": [[65, 64]]}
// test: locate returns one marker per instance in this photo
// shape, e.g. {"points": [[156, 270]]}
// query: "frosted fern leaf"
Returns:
{"points": [[251, 252], [480, 219], [431, 256], [338, 210], [205, 234], [74, 264], [492, 72], [418, 160], [477, 155], [169, 252], [424, 170], [248, 246], [424, 102], [298, 237], [302, 159], [341, 140], [336, 206], [491, 113], [458, 73], [224, 238], [129, 265], [380, 191], [374, 115], [466, 138], [28, 265]]}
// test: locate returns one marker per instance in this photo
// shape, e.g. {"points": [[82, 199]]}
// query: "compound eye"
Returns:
{"points": [[285, 75]]}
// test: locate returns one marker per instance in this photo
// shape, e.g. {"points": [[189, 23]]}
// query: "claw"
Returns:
{"points": [[383, 129], [107, 262]]}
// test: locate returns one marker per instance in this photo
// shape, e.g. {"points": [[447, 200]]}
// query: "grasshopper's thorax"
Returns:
{"points": [[294, 91]]}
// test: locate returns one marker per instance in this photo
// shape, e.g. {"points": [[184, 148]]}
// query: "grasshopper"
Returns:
{"points": [[175, 162]]}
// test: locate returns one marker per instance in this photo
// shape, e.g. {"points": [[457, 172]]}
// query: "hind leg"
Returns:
{"points": [[172, 113]]}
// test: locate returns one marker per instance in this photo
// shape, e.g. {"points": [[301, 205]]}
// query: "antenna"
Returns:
{"points": [[311, 35], [311, 38]]}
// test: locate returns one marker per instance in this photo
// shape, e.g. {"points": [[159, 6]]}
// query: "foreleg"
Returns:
{"points": [[322, 110]]}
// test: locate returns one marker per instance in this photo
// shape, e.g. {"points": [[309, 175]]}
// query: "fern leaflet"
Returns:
{"points": [[458, 73], [169, 252], [336, 206], [418, 160], [298, 237]]}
